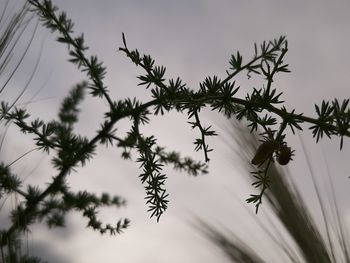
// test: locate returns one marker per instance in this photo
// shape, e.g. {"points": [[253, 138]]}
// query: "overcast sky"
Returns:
{"points": [[193, 39]]}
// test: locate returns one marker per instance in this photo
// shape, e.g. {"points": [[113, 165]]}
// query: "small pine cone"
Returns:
{"points": [[265, 151], [285, 155]]}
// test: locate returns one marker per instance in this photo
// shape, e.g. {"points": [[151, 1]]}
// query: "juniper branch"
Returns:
{"points": [[220, 95]]}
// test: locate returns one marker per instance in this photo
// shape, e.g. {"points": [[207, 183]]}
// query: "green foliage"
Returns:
{"points": [[261, 108]]}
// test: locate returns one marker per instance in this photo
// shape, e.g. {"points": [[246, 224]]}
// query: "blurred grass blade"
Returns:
{"points": [[289, 208], [13, 28]]}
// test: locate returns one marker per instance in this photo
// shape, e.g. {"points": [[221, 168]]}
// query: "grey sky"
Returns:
{"points": [[193, 39]]}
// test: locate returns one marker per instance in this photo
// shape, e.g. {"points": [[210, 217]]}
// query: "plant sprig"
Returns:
{"points": [[262, 107], [72, 149]]}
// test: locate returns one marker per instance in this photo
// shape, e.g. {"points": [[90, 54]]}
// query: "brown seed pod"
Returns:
{"points": [[284, 155], [265, 151]]}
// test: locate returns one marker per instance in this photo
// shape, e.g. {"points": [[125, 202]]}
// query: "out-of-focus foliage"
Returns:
{"points": [[289, 208]]}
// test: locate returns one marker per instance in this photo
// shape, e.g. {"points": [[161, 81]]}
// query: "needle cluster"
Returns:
{"points": [[262, 108]]}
